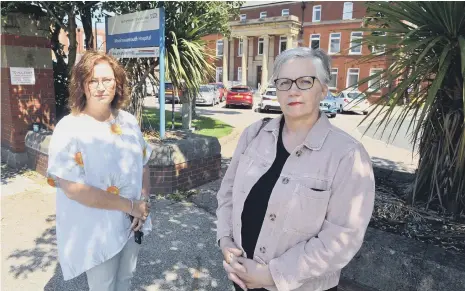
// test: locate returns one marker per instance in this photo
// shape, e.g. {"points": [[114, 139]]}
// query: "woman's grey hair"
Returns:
{"points": [[320, 59]]}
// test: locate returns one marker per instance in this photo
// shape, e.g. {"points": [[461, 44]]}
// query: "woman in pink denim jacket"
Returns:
{"points": [[296, 200]]}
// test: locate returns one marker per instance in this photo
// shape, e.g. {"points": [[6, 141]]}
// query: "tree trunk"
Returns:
{"points": [[440, 176], [60, 74], [72, 40], [193, 108], [86, 17], [186, 114]]}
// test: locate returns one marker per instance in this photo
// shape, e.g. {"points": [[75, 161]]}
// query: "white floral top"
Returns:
{"points": [[106, 155]]}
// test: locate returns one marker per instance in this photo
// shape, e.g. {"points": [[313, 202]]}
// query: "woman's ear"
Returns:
{"points": [[324, 92]]}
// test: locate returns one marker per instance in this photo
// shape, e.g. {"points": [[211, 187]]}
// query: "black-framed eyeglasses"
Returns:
{"points": [[303, 83], [107, 83]]}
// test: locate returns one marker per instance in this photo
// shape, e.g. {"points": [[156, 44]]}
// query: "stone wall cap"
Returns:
{"points": [[39, 141]]}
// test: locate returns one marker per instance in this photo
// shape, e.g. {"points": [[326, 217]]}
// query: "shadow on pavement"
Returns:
{"points": [[8, 173], [42, 256], [180, 254]]}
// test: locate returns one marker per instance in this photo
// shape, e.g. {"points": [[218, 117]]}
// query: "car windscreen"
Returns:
{"points": [[239, 90], [270, 93], [354, 95], [206, 89]]}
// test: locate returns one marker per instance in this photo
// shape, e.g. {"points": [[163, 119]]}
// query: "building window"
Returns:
{"points": [[352, 78], [239, 74], [333, 81], [378, 49], [243, 17], [355, 47], [240, 47], [282, 43], [348, 9], [219, 48], [316, 13], [376, 83], [315, 41], [219, 74], [334, 43], [263, 14], [285, 12], [261, 44]]}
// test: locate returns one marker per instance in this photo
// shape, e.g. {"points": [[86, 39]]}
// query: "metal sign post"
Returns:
{"points": [[140, 35], [161, 65]]}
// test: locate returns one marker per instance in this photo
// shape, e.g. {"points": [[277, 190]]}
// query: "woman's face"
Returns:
{"points": [[100, 88], [295, 102]]}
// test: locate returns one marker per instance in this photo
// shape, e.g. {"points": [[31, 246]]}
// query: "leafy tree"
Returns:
{"points": [[426, 45]]}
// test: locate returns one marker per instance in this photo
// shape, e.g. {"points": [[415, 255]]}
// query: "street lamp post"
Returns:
{"points": [[96, 34]]}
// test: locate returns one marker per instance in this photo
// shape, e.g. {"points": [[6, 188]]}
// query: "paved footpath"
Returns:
{"points": [[180, 254]]}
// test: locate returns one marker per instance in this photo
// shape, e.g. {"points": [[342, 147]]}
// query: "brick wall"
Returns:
{"points": [[184, 176], [37, 161], [330, 10], [164, 180], [24, 43]]}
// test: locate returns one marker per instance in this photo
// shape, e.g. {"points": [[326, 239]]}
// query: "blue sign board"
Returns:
{"points": [[140, 30]]}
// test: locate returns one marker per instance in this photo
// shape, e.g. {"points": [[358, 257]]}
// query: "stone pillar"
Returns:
{"points": [[271, 57], [225, 60], [251, 75], [232, 55], [25, 44], [264, 79], [289, 41], [245, 48]]}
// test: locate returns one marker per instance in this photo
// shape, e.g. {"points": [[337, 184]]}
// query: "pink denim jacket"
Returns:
{"points": [[318, 211]]}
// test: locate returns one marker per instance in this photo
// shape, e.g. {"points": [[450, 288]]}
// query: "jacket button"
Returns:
{"points": [[299, 153], [285, 180], [272, 216], [262, 250]]}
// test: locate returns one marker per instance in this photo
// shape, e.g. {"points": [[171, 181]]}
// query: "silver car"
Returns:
{"points": [[208, 95]]}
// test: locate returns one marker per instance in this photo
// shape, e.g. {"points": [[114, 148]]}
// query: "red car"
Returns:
{"points": [[222, 91], [239, 96]]}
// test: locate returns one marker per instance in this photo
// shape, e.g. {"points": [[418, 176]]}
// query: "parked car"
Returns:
{"points": [[353, 100], [269, 101], [222, 91], [207, 95], [329, 106], [239, 96], [171, 92], [334, 97]]}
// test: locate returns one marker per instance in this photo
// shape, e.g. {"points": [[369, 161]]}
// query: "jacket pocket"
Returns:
{"points": [[307, 210]]}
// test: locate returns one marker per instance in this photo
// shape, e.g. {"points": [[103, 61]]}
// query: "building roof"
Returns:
{"points": [[254, 4]]}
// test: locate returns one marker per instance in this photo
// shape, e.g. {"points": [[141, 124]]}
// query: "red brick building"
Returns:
{"points": [[81, 44], [263, 31]]}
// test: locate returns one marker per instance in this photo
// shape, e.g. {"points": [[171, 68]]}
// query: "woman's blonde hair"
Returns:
{"points": [[82, 73]]}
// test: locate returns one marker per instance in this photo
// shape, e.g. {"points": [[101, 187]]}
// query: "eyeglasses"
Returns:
{"points": [[107, 83], [303, 83]]}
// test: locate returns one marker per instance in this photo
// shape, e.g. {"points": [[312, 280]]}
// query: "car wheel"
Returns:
{"points": [[228, 106], [365, 112]]}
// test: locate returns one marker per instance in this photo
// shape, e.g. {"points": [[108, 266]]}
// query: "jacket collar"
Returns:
{"points": [[315, 137]]}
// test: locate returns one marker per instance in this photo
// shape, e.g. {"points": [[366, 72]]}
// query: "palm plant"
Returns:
{"points": [[187, 58], [425, 45]]}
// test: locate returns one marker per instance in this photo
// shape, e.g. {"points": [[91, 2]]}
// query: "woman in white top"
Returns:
{"points": [[98, 163]]}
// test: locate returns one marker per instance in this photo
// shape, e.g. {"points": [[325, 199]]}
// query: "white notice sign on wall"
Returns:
{"points": [[22, 76]]}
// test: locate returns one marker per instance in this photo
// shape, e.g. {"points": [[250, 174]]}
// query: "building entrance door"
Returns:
{"points": [[259, 75]]}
